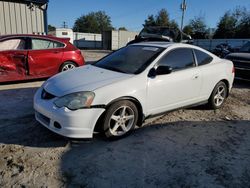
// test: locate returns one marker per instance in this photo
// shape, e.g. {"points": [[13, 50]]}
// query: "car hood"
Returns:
{"points": [[239, 56], [86, 78]]}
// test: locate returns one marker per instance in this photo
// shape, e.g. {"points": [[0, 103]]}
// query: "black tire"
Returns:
{"points": [[218, 95], [68, 65], [120, 119]]}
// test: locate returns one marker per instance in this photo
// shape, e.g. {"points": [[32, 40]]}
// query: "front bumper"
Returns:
{"points": [[73, 124]]}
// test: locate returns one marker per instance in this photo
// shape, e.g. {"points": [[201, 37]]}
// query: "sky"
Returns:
{"points": [[132, 13]]}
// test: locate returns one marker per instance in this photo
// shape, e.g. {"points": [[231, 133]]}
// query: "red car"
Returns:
{"points": [[25, 57]]}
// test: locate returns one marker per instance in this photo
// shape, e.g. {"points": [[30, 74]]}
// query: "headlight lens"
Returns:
{"points": [[76, 101]]}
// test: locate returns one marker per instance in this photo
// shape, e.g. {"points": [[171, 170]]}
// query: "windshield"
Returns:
{"points": [[245, 47], [130, 59]]}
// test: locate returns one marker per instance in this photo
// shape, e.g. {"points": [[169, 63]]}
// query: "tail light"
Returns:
{"points": [[233, 70]]}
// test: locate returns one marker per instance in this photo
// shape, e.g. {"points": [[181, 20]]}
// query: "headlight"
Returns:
{"points": [[76, 101]]}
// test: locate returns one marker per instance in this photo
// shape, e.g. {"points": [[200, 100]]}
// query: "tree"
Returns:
{"points": [[94, 22], [161, 19], [188, 29], [150, 21], [51, 28], [234, 24], [243, 26], [122, 29], [226, 27], [197, 28]]}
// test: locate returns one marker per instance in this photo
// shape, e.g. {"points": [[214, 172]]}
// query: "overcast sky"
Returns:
{"points": [[132, 13]]}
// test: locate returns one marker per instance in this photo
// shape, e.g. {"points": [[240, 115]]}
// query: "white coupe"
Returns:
{"points": [[136, 82]]}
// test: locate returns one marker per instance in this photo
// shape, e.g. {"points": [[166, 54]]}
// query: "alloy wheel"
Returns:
{"points": [[220, 95], [68, 67], [121, 121]]}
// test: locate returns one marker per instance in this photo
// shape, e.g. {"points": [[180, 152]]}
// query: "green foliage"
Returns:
{"points": [[51, 28], [122, 29], [226, 27], [197, 28], [150, 21], [94, 22], [234, 24], [161, 19], [188, 29]]}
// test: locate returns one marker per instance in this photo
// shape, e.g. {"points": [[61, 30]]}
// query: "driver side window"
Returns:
{"points": [[178, 59]]}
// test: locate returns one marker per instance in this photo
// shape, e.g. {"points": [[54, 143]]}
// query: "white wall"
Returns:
{"points": [[87, 40], [63, 33], [93, 40], [125, 37]]}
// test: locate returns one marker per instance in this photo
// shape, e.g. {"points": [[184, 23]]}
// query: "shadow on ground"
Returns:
{"points": [[179, 154], [17, 122]]}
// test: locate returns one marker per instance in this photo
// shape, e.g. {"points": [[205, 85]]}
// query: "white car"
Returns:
{"points": [[136, 82]]}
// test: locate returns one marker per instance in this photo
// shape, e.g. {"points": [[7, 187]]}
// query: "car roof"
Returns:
{"points": [[38, 36], [172, 44], [163, 44]]}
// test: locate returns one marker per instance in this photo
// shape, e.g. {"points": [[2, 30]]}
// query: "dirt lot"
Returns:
{"points": [[187, 148]]}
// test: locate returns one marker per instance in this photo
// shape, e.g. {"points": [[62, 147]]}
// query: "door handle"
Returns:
{"points": [[56, 52], [19, 56], [195, 76]]}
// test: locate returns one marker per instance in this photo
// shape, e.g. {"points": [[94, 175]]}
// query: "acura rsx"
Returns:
{"points": [[131, 84]]}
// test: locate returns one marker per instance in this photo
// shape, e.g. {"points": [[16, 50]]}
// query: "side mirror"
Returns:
{"points": [[136, 36], [163, 70]]}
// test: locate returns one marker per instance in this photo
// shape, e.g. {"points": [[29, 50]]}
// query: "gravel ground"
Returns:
{"points": [[194, 147]]}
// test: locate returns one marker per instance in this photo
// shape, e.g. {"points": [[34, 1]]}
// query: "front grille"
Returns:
{"points": [[42, 118], [46, 95]]}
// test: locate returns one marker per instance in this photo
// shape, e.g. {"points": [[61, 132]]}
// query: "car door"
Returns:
{"points": [[13, 59], [44, 57], [179, 88]]}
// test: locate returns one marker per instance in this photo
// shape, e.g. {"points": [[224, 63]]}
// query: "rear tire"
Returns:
{"points": [[120, 119], [68, 65], [218, 95]]}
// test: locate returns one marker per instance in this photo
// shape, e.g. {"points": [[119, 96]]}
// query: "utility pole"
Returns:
{"points": [[183, 8], [64, 25]]}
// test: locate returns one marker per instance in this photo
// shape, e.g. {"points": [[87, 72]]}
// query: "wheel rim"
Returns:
{"points": [[68, 67], [121, 121], [219, 95]]}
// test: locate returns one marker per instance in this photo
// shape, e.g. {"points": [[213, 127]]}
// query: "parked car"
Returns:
{"points": [[223, 49], [241, 62], [157, 33], [126, 87], [25, 57]]}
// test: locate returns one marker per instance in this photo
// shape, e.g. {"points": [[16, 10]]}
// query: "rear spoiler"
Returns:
{"points": [[65, 39]]}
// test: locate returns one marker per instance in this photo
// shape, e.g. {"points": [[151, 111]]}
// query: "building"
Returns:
{"points": [[113, 40], [23, 17]]}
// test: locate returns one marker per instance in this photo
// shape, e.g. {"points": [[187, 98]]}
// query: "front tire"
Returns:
{"points": [[120, 119], [218, 95]]}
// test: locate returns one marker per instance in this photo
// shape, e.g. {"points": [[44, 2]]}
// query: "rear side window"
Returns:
{"points": [[12, 44], [202, 57], [181, 58], [40, 44]]}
